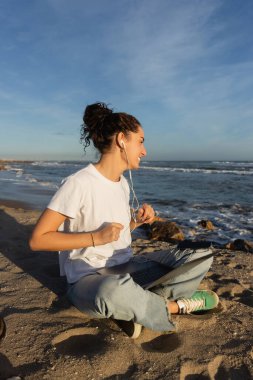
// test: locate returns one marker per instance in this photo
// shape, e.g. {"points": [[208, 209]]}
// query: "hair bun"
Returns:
{"points": [[101, 124], [95, 115]]}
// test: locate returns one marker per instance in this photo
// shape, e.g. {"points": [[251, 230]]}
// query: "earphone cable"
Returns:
{"points": [[134, 197]]}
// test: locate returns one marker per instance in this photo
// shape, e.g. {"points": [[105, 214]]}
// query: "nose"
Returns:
{"points": [[144, 152]]}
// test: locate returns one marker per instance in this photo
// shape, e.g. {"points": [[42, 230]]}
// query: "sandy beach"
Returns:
{"points": [[47, 338]]}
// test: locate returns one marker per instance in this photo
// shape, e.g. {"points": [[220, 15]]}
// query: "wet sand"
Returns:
{"points": [[47, 338]]}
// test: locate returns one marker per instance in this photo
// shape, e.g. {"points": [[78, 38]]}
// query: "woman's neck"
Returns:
{"points": [[110, 167]]}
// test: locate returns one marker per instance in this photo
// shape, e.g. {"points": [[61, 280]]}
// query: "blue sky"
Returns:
{"points": [[183, 68]]}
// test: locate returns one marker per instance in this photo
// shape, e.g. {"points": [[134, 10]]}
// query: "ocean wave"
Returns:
{"points": [[14, 180], [234, 163], [47, 163], [229, 163], [10, 168], [31, 179], [204, 171], [48, 184], [55, 164], [20, 182]]}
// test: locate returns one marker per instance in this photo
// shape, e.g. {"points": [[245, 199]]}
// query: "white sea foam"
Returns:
{"points": [[54, 164], [50, 185], [205, 171], [234, 163], [222, 162], [10, 168], [47, 163], [15, 180], [32, 180], [229, 225]]}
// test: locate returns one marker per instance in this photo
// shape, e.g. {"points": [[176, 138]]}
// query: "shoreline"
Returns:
{"points": [[4, 163], [10, 203]]}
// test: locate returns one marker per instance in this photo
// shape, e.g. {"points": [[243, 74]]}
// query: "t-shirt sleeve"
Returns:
{"points": [[67, 200]]}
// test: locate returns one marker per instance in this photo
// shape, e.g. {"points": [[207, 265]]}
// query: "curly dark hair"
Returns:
{"points": [[100, 124]]}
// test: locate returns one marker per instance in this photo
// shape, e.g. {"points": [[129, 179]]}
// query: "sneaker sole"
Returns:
{"points": [[131, 329]]}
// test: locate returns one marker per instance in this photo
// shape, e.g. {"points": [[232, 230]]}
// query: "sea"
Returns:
{"points": [[184, 192]]}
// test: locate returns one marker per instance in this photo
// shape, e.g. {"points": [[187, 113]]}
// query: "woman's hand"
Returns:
{"points": [[107, 234], [145, 214]]}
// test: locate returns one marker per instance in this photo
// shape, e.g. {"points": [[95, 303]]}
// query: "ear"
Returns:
{"points": [[120, 140]]}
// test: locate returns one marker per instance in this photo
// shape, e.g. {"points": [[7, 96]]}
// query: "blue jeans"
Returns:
{"points": [[119, 297]]}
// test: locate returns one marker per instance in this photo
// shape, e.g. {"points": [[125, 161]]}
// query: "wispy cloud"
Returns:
{"points": [[174, 54]]}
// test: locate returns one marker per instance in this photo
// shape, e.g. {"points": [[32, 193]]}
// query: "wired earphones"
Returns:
{"points": [[134, 197]]}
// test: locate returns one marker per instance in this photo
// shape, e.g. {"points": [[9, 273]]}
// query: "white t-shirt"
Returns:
{"points": [[90, 201]]}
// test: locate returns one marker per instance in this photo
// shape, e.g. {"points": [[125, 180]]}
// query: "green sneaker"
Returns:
{"points": [[200, 301]]}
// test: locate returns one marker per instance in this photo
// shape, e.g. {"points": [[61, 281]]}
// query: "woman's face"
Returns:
{"points": [[134, 148]]}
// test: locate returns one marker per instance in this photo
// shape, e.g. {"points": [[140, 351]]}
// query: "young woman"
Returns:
{"points": [[89, 221]]}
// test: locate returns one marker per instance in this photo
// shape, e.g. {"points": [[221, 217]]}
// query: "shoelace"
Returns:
{"points": [[190, 305]]}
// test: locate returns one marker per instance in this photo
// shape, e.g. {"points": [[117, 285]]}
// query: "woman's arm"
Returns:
{"points": [[45, 236]]}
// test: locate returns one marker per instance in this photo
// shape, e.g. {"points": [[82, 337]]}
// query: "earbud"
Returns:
{"points": [[122, 144]]}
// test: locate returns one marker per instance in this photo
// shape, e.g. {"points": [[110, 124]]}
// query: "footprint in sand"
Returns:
{"points": [[157, 342], [222, 280], [246, 297], [234, 265], [130, 373], [220, 368], [230, 291], [80, 341], [194, 371], [237, 292], [228, 367]]}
